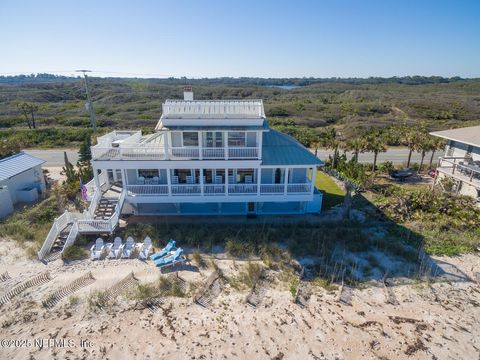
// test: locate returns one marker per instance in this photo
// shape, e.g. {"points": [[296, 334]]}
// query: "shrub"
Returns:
{"points": [[74, 252], [97, 300], [144, 293], [198, 260]]}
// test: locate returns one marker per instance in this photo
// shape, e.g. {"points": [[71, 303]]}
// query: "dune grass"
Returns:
{"points": [[332, 193]]}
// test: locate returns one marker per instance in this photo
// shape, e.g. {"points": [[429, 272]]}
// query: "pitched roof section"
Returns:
{"points": [[469, 135], [281, 149], [17, 164]]}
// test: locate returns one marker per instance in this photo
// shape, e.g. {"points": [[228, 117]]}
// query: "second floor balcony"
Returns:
{"points": [[226, 145], [139, 152]]}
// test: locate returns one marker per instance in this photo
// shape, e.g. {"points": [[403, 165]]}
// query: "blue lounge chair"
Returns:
{"points": [[170, 246], [173, 258]]}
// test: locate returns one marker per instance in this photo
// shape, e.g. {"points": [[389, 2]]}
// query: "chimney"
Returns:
{"points": [[188, 93]]}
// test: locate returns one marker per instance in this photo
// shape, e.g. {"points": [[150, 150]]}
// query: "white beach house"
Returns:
{"points": [[461, 161], [204, 158]]}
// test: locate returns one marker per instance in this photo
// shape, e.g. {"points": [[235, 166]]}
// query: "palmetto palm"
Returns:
{"points": [[356, 145], [376, 142], [330, 141]]}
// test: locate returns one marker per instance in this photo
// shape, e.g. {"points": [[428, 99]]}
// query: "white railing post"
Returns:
{"points": [[200, 145], [201, 182], [225, 135], [259, 180], [226, 182], [169, 182], [285, 181], [314, 175]]}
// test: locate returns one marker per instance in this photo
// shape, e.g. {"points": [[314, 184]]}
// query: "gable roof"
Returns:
{"points": [[468, 135], [281, 149], [17, 164]]}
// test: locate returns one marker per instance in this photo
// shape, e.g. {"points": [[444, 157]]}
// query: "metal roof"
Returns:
{"points": [[16, 164], [281, 149], [468, 135]]}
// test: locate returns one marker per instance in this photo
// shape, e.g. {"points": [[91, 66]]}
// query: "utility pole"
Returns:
{"points": [[89, 104]]}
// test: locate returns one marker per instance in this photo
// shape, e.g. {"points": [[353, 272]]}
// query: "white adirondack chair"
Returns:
{"points": [[127, 248], [96, 250], [145, 248], [113, 250]]}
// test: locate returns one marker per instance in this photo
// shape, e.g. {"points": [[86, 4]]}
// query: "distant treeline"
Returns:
{"points": [[408, 80]]}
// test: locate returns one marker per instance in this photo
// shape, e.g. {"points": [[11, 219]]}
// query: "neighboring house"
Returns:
{"points": [[461, 161], [209, 157], [21, 180]]}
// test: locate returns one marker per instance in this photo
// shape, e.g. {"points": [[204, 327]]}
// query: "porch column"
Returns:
{"points": [[225, 137], [167, 145], [201, 182], [259, 180], [285, 181], [314, 174], [200, 145], [124, 178], [95, 178], [226, 181], [107, 179], [169, 182], [259, 143]]}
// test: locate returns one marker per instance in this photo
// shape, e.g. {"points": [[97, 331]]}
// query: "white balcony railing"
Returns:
{"points": [[214, 189], [214, 153], [155, 152], [218, 189], [272, 188], [243, 153], [460, 168], [134, 190], [299, 188], [186, 189], [128, 153], [238, 189]]}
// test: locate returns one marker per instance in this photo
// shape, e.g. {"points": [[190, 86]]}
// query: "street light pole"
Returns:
{"points": [[89, 104]]}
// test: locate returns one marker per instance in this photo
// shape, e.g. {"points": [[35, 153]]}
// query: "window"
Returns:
{"points": [[190, 139], [213, 139], [148, 173], [176, 139], [236, 138]]}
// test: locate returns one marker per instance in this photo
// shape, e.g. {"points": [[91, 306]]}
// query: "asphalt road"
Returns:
{"points": [[54, 157]]}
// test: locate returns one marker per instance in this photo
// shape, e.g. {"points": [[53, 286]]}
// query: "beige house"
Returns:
{"points": [[461, 161]]}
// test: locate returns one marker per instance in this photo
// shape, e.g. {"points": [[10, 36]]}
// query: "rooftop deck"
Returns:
{"points": [[175, 109]]}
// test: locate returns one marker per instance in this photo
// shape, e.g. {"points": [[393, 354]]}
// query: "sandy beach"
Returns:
{"points": [[429, 320]]}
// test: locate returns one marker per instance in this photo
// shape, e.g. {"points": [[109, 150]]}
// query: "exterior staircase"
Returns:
{"points": [[105, 209], [57, 247], [101, 218]]}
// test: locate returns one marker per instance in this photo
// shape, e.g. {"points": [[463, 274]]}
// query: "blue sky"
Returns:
{"points": [[262, 38]]}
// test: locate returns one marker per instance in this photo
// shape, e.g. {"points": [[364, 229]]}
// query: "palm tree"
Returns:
{"points": [[375, 141], [425, 144], [315, 144], [410, 137], [330, 141], [437, 144], [356, 145]]}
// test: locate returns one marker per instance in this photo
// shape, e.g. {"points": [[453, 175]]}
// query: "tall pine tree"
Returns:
{"points": [[84, 156]]}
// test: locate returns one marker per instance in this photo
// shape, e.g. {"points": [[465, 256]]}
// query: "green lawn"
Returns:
{"points": [[332, 193]]}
